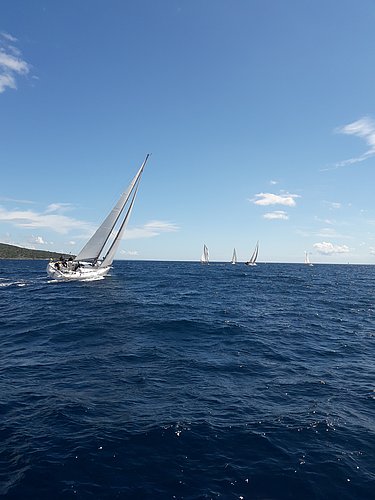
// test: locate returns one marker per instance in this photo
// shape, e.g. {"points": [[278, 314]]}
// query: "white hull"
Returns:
{"points": [[250, 263], [85, 272]]}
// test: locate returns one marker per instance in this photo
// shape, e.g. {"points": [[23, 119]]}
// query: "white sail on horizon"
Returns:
{"points": [[253, 258], [307, 259], [205, 258]]}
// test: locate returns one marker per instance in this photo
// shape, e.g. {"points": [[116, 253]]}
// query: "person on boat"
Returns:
{"points": [[76, 266], [63, 261]]}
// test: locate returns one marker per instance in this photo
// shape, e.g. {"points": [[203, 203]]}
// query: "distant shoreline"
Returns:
{"points": [[13, 252]]}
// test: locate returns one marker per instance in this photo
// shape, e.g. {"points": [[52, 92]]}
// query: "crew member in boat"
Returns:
{"points": [[76, 266], [63, 261]]}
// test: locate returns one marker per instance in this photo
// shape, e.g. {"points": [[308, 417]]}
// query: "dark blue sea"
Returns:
{"points": [[172, 380]]}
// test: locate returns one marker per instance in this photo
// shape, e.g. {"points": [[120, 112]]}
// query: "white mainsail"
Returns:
{"points": [[234, 257], [205, 258], [253, 258], [93, 248]]}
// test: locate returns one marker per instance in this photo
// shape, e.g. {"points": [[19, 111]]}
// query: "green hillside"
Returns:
{"points": [[13, 252]]}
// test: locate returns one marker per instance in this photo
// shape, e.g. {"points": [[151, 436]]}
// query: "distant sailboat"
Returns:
{"points": [[234, 257], [205, 258], [253, 258], [307, 260], [95, 259]]}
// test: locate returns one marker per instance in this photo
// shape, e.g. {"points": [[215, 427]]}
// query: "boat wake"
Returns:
{"points": [[6, 283]]}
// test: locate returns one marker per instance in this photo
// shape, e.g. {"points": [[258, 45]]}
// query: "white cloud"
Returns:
{"points": [[37, 240], [58, 207], [11, 63], [365, 129], [266, 199], [372, 250], [274, 182], [327, 248], [131, 253], [32, 219], [7, 81], [334, 205], [151, 229], [277, 214]]}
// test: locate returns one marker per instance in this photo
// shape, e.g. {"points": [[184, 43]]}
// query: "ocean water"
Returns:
{"points": [[175, 380]]}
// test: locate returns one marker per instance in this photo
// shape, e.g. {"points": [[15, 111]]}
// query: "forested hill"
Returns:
{"points": [[13, 252]]}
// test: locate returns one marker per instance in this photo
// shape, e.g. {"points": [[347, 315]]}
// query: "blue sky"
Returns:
{"points": [[259, 114]]}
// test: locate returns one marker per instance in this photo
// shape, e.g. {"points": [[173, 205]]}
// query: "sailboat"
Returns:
{"points": [[307, 260], [96, 257], [205, 258], [253, 258], [234, 257]]}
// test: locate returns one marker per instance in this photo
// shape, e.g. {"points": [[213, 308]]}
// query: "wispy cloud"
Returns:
{"points": [[276, 215], [11, 62], [59, 207], [151, 229], [8, 36], [327, 248], [53, 218], [327, 232], [365, 129], [330, 232], [265, 199], [325, 221], [33, 219], [26, 202], [334, 205]]}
